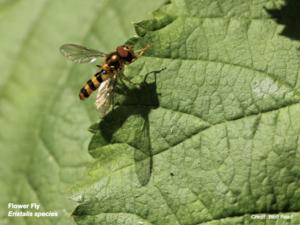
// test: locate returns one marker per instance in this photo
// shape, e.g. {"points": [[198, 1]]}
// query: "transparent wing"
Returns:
{"points": [[104, 96], [80, 54]]}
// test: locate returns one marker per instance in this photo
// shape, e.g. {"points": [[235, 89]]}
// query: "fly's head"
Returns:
{"points": [[126, 53]]}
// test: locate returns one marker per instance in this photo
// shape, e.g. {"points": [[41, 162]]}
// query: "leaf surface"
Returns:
{"points": [[212, 135]]}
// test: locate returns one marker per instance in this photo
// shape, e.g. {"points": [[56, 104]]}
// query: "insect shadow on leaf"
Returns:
{"points": [[138, 103], [289, 16]]}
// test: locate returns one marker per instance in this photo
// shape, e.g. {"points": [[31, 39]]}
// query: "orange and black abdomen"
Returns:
{"points": [[91, 85]]}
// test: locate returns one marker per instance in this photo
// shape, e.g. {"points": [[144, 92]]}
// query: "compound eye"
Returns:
{"points": [[123, 51]]}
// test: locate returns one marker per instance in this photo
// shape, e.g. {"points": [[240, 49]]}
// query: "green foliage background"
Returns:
{"points": [[213, 140], [43, 134]]}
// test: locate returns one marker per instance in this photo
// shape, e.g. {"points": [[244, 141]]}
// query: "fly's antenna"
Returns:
{"points": [[141, 51]]}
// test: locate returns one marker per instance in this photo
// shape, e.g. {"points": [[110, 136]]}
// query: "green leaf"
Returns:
{"points": [[212, 135], [43, 135]]}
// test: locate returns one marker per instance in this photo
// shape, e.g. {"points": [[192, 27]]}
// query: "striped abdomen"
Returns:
{"points": [[92, 84]]}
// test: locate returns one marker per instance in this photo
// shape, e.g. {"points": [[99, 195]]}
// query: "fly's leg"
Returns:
{"points": [[141, 51]]}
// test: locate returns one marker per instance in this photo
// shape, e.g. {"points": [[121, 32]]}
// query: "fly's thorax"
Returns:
{"points": [[114, 61]]}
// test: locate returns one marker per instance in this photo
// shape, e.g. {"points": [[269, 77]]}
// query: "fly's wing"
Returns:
{"points": [[80, 54], [104, 97]]}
